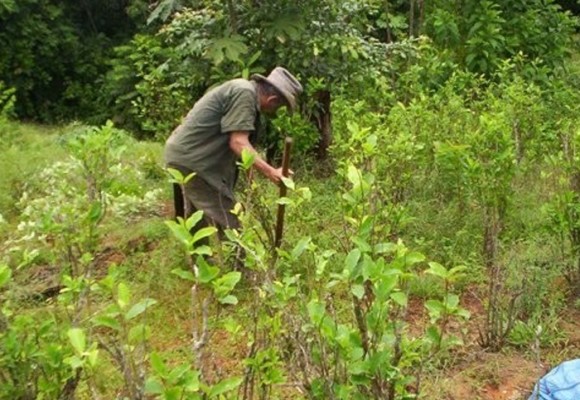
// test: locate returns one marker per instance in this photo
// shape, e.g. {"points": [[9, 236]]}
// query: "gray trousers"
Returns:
{"points": [[196, 195]]}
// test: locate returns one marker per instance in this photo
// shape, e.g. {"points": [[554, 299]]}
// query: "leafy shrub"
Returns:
{"points": [[83, 186], [482, 35], [32, 357], [7, 100], [148, 98], [32, 352]]}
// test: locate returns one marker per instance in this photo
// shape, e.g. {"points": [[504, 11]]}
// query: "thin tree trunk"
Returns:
{"points": [[389, 37], [323, 122], [89, 16], [490, 236], [575, 230], [519, 143], [570, 154], [412, 18], [232, 15], [421, 4]]}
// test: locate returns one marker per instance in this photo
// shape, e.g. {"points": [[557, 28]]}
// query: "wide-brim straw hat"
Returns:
{"points": [[284, 82]]}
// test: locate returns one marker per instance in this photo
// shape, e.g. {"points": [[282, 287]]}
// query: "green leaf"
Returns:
{"points": [[452, 301], [366, 226], [183, 274], [78, 339], [358, 368], [203, 233], [74, 361], [226, 48], [108, 321], [203, 250], [435, 307], [351, 260], [174, 393], [316, 311], [93, 357], [157, 364], [177, 373], [95, 212], [191, 384], [163, 10], [224, 386], [139, 333], [154, 386], [189, 177], [226, 283], [284, 201], [400, 298], [437, 270], [139, 308], [433, 334], [370, 269], [254, 57], [176, 175], [123, 295], [5, 274], [354, 175], [300, 247], [453, 340], [305, 193], [385, 286], [289, 183], [285, 26], [414, 258], [229, 299], [358, 291], [206, 273], [457, 272], [192, 220], [361, 244], [248, 159], [180, 232]]}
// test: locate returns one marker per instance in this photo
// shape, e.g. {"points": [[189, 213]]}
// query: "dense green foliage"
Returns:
{"points": [[143, 65], [55, 54]]}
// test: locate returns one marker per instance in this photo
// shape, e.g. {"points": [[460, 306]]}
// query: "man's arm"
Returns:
{"points": [[240, 141]]}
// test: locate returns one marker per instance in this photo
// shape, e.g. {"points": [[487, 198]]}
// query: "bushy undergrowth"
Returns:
{"points": [[467, 192], [22, 154]]}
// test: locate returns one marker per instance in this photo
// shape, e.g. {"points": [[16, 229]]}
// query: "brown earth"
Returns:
{"points": [[508, 375]]}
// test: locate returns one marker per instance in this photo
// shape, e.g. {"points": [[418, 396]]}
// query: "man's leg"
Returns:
{"points": [[217, 212], [215, 205], [196, 195], [178, 204], [183, 207]]}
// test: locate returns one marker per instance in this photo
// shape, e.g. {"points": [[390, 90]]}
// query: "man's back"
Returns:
{"points": [[201, 142]]}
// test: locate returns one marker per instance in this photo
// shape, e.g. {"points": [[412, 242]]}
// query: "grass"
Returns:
{"points": [[24, 149]]}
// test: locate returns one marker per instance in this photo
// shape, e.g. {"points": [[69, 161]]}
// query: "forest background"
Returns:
{"points": [[432, 243]]}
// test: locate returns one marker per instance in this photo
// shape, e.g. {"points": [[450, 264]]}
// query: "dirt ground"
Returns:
{"points": [[508, 375]]}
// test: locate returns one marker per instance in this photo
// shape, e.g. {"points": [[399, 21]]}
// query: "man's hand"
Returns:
{"points": [[239, 141], [276, 175]]}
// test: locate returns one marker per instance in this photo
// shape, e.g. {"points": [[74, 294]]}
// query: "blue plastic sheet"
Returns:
{"points": [[561, 383]]}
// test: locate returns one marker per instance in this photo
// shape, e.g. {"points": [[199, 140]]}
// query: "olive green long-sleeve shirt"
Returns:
{"points": [[201, 142]]}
